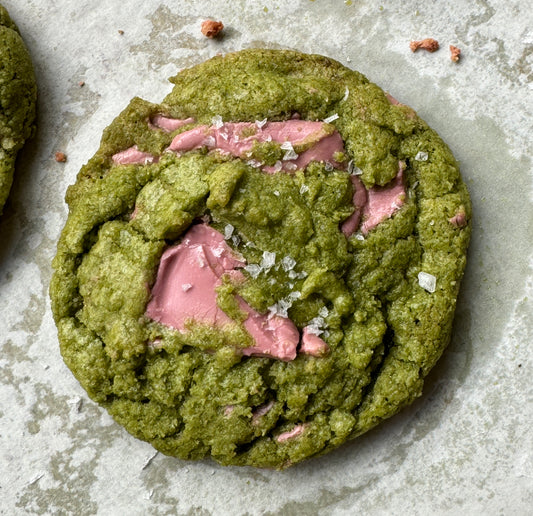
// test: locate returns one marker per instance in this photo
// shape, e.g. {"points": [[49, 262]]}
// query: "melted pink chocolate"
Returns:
{"points": [[291, 434], [459, 220], [375, 205], [235, 139], [312, 344], [359, 200], [133, 156], [383, 202], [169, 124], [185, 290]]}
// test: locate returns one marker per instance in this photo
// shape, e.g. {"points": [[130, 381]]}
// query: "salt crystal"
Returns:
{"points": [[288, 263], [354, 170], [421, 156], [315, 330], [280, 308], [291, 166], [150, 459], [260, 123], [217, 121], [35, 478], [346, 93], [254, 163], [269, 260], [278, 166], [228, 231], [276, 193], [186, 286], [289, 151], [427, 281], [253, 269], [331, 118], [303, 189], [295, 295], [323, 312], [328, 166]]}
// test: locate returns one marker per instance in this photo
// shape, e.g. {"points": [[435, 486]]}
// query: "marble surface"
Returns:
{"points": [[464, 447]]}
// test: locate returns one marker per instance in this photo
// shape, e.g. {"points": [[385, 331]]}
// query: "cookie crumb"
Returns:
{"points": [[211, 29], [429, 44], [81, 84], [121, 32], [455, 53], [60, 157]]}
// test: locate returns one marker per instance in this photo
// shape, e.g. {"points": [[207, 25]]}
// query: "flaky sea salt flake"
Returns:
{"points": [[228, 231], [346, 94], [290, 154], [217, 121], [421, 156], [331, 118], [427, 281], [253, 269], [269, 260], [323, 312], [353, 169], [288, 263]]}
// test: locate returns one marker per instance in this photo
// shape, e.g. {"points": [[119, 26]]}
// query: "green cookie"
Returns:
{"points": [[18, 93], [275, 189]]}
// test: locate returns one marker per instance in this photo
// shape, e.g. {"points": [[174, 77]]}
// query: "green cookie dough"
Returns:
{"points": [[193, 394], [17, 98]]}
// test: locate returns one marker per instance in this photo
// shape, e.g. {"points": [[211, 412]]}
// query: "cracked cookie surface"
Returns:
{"points": [[325, 227]]}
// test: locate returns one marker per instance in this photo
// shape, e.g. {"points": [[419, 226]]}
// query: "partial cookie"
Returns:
{"points": [[263, 266], [18, 94]]}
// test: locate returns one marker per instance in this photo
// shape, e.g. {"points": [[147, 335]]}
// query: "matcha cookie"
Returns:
{"points": [[264, 265], [17, 97]]}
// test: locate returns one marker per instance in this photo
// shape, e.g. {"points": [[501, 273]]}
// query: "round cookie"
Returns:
{"points": [[18, 94], [263, 266]]}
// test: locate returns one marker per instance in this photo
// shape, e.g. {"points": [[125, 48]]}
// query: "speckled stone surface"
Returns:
{"points": [[466, 446]]}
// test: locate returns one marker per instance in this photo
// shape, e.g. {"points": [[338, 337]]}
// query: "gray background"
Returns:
{"points": [[466, 446]]}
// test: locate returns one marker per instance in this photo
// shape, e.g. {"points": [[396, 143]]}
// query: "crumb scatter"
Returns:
{"points": [[429, 44]]}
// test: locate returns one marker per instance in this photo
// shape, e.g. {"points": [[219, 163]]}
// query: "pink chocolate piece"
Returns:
{"points": [[383, 202], [196, 263], [275, 336], [458, 220], [133, 156], [392, 100], [291, 434], [201, 136], [375, 205], [312, 344], [185, 290], [169, 124], [238, 139], [262, 410], [359, 199]]}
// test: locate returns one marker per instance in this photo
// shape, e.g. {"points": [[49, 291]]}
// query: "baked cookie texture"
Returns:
{"points": [[301, 245], [18, 93]]}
